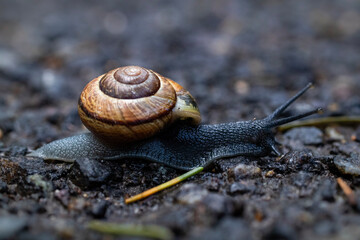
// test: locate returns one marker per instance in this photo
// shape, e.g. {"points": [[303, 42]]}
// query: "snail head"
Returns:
{"points": [[266, 138]]}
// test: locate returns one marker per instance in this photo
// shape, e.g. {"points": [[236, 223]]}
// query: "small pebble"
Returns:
{"points": [[328, 190], [229, 228], [39, 182], [325, 227], [306, 135], [78, 204], [348, 148], [356, 135], [241, 187], [63, 196], [191, 193], [348, 165], [302, 179], [98, 210], [334, 135], [88, 172], [242, 171], [212, 183], [11, 225], [281, 230], [295, 158], [242, 87], [217, 203], [3, 186], [270, 173]]}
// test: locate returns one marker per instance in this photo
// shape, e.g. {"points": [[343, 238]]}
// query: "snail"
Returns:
{"points": [[119, 110]]}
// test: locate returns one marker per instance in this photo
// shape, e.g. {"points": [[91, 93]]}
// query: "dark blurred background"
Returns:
{"points": [[240, 59]]}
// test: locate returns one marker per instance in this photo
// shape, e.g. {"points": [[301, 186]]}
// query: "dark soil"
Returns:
{"points": [[240, 59]]}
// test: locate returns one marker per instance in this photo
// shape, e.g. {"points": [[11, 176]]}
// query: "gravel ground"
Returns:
{"points": [[239, 59]]}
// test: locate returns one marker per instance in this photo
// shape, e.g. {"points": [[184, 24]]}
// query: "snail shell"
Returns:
{"points": [[132, 103]]}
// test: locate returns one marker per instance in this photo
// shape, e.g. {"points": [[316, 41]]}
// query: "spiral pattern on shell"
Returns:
{"points": [[132, 103]]}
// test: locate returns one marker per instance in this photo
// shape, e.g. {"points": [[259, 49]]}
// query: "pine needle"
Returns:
{"points": [[163, 186], [344, 120], [349, 193], [129, 229]]}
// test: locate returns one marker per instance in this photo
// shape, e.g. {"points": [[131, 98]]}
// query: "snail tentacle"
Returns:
{"points": [[285, 105]]}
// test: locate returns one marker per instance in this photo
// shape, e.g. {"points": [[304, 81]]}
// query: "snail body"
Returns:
{"points": [[182, 145]]}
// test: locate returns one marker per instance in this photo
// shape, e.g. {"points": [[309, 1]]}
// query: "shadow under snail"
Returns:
{"points": [[129, 111]]}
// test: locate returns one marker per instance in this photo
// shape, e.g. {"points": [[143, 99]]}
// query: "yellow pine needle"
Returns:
{"points": [[163, 186]]}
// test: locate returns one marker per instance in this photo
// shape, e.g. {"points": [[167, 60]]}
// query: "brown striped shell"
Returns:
{"points": [[133, 103]]}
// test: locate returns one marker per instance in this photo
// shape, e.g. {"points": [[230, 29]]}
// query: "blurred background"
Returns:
{"points": [[240, 59]]}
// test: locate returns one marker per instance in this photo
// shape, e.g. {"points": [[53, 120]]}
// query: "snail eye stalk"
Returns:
{"points": [[283, 107], [292, 118], [270, 121]]}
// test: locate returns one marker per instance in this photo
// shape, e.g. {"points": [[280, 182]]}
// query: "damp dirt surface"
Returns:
{"points": [[239, 59]]}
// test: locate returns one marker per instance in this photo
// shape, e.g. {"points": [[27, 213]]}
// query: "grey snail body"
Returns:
{"points": [[182, 145]]}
